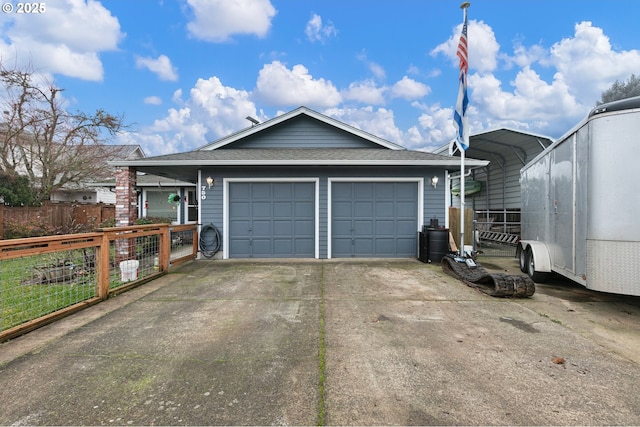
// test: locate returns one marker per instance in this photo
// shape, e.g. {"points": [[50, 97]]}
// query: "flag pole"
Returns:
{"points": [[465, 136]]}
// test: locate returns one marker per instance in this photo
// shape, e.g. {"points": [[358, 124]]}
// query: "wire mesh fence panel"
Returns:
{"points": [[181, 243], [36, 285], [133, 259], [44, 278]]}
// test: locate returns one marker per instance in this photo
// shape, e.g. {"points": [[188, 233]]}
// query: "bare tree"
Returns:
{"points": [[40, 139]]}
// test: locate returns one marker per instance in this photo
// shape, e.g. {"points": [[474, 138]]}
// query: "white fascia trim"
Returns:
{"points": [[330, 181], [225, 208], [440, 163]]}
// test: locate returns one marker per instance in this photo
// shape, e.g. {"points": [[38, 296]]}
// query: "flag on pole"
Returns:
{"points": [[460, 114]]}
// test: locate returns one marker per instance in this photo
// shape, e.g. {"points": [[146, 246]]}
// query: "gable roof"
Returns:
{"points": [[373, 152], [300, 111]]}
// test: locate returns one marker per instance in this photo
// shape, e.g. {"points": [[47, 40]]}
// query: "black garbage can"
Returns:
{"points": [[437, 244], [423, 246]]}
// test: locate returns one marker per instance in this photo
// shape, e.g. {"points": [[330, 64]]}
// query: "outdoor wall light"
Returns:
{"points": [[434, 181], [209, 181]]}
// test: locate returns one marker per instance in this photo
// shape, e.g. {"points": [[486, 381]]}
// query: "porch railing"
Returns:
{"points": [[496, 233], [45, 278]]}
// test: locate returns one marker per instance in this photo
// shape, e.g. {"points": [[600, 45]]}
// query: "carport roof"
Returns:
{"points": [[495, 142], [184, 166]]}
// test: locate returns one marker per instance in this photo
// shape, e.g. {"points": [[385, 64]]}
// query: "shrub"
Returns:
{"points": [[29, 228]]}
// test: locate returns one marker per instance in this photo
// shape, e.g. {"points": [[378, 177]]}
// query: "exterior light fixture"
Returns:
{"points": [[209, 181], [434, 181]]}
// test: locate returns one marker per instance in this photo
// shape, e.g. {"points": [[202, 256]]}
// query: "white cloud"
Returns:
{"points": [[153, 100], [366, 92], [211, 111], [409, 89], [380, 122], [376, 69], [218, 20], [43, 41], [161, 66], [589, 65], [483, 47], [279, 86], [316, 32]]}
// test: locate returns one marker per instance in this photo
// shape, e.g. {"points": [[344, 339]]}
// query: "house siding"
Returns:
{"points": [[302, 132], [212, 207]]}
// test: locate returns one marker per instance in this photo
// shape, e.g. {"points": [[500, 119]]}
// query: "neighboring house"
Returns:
{"points": [[99, 189], [508, 151], [304, 185]]}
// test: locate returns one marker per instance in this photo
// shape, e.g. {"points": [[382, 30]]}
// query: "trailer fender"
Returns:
{"points": [[540, 254]]}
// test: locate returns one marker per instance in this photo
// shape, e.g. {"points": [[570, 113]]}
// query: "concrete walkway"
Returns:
{"points": [[368, 342]]}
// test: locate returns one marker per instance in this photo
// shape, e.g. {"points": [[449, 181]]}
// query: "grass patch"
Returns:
{"points": [[548, 317], [24, 298]]}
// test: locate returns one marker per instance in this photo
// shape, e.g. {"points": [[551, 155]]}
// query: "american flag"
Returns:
{"points": [[460, 114]]}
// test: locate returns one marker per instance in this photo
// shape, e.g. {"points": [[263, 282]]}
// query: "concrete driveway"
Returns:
{"points": [[330, 342]]}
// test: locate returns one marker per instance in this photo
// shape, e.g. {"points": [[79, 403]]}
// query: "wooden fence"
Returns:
{"points": [[66, 217], [45, 278]]}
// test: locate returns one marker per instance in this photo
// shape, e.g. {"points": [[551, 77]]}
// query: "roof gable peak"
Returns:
{"points": [[255, 129]]}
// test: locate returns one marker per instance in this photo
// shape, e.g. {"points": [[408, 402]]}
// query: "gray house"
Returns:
{"points": [[305, 185]]}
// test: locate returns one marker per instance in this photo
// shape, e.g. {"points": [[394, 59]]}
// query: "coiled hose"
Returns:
{"points": [[209, 245]]}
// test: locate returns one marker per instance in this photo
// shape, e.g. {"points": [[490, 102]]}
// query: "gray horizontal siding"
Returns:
{"points": [[302, 132]]}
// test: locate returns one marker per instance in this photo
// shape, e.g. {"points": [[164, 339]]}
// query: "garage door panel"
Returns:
{"points": [[305, 209], [374, 219], [304, 245], [406, 227], [282, 227], [241, 209], [282, 247], [363, 191], [261, 247], [364, 246], [385, 227], [261, 191], [385, 209], [406, 247], [303, 228], [271, 219], [341, 228], [362, 209], [282, 209], [408, 208], [363, 227]]}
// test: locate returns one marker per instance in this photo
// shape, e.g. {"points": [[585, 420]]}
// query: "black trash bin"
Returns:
{"points": [[437, 244], [423, 246]]}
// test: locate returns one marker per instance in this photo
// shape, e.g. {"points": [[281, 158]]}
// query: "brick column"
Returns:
{"points": [[126, 210], [126, 197]]}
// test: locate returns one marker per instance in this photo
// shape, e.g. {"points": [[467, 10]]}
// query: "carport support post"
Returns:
{"points": [[126, 210]]}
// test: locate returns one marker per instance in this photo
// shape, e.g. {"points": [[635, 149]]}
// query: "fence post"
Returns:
{"points": [[102, 266], [2, 220], [165, 247]]}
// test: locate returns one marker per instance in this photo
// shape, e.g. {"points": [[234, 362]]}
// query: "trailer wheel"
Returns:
{"points": [[536, 276], [522, 258]]}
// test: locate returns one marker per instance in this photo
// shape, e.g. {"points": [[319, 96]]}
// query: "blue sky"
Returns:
{"points": [[187, 72]]}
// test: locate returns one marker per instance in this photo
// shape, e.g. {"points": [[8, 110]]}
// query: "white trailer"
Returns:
{"points": [[580, 208]]}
